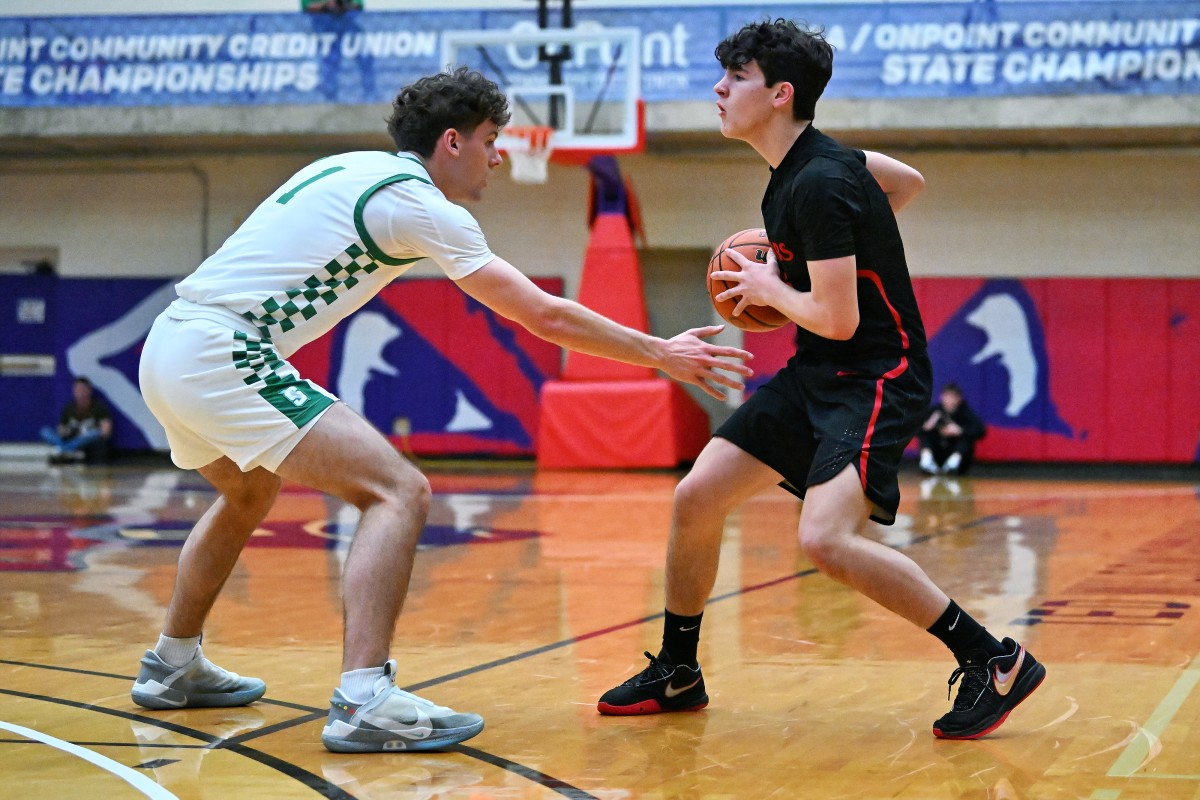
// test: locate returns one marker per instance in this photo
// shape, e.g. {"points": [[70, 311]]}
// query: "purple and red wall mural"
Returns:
{"points": [[1061, 369], [422, 361]]}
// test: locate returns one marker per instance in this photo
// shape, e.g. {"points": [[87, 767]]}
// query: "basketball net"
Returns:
{"points": [[531, 160]]}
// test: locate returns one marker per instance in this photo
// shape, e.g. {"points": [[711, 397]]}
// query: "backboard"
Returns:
{"points": [[584, 82]]}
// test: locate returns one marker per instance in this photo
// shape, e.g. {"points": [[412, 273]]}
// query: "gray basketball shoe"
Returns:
{"points": [[394, 720], [197, 684]]}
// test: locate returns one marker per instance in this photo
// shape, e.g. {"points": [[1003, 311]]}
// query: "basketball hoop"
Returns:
{"points": [[531, 158]]}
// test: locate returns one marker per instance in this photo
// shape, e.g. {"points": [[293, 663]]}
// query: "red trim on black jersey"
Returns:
{"points": [[874, 278]]}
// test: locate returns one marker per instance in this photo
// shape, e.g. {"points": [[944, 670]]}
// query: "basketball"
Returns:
{"points": [[753, 244]]}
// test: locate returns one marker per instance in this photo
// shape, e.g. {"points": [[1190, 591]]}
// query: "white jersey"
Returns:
{"points": [[325, 243]]}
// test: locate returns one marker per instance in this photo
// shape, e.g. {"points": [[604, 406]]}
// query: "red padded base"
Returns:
{"points": [[617, 424]]}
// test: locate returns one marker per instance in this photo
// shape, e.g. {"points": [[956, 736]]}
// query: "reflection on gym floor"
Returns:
{"points": [[536, 591]]}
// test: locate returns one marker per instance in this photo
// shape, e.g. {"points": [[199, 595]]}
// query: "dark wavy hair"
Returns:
{"points": [[784, 51], [461, 99]]}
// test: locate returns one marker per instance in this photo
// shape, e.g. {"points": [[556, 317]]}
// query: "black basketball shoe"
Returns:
{"points": [[990, 690], [659, 687]]}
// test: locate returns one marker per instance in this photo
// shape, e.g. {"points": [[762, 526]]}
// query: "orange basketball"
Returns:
{"points": [[753, 244]]}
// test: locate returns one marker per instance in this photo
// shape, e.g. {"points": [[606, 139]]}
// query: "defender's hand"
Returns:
{"points": [[690, 359]]}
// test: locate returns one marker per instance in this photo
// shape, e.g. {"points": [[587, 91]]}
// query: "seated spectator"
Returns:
{"points": [[84, 430], [948, 437]]}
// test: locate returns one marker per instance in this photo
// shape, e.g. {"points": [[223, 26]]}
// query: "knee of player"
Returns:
{"points": [[823, 547], [409, 490], [694, 498], [255, 495]]}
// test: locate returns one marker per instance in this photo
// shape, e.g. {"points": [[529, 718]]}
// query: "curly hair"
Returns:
{"points": [[462, 99], [784, 51]]}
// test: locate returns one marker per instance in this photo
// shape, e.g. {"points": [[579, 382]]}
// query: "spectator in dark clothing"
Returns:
{"points": [[949, 435], [84, 430]]}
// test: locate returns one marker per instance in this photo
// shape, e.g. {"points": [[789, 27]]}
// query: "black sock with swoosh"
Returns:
{"points": [[681, 637], [959, 631]]}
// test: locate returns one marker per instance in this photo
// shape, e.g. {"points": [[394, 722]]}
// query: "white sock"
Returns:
{"points": [[177, 652], [953, 462], [358, 685]]}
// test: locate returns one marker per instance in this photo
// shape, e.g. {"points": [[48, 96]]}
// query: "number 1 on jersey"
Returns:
{"points": [[289, 195]]}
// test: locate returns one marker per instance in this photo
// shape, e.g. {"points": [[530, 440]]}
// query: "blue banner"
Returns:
{"points": [[883, 50]]}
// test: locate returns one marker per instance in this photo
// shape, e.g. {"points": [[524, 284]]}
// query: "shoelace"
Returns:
{"points": [[974, 681], [656, 671]]}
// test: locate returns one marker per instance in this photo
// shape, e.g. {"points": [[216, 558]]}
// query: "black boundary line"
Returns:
{"points": [[314, 782], [553, 784], [715, 599], [234, 743], [143, 745], [335, 792]]}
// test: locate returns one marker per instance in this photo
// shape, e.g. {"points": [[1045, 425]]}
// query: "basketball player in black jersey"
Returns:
{"points": [[832, 425]]}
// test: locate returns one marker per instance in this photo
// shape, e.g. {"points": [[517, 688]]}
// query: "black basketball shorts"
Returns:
{"points": [[815, 417]]}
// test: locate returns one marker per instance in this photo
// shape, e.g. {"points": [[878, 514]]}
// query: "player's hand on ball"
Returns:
{"points": [[690, 359], [749, 245], [755, 284]]}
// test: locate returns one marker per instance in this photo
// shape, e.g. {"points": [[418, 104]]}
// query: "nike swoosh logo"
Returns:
{"points": [[1003, 680], [672, 692], [420, 729], [685, 630], [157, 690], [956, 619]]}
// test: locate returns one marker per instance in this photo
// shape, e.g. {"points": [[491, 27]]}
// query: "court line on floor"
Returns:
{"points": [[1141, 748], [131, 776], [236, 744], [743, 590], [130, 678], [318, 784], [554, 784]]}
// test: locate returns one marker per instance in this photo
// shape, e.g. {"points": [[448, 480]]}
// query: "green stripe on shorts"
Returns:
{"points": [[284, 389], [296, 400]]}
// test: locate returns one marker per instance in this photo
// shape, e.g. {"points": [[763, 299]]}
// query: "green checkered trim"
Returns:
{"points": [[282, 312], [257, 358], [292, 396]]}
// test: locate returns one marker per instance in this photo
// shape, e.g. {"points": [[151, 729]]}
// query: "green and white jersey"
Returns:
{"points": [[326, 242]]}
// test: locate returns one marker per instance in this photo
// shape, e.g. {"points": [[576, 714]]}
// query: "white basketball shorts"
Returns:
{"points": [[219, 391]]}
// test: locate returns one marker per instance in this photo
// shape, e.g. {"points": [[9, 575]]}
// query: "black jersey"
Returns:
{"points": [[822, 203]]}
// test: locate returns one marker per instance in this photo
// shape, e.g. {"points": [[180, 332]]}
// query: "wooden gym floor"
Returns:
{"points": [[535, 592]]}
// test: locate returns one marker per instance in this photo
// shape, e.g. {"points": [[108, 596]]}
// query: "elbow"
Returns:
{"points": [[547, 322], [907, 188], [842, 330], [916, 183], [912, 185]]}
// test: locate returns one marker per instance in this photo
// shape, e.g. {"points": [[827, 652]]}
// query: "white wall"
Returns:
{"points": [[1127, 213], [989, 214], [125, 221], [1074, 213]]}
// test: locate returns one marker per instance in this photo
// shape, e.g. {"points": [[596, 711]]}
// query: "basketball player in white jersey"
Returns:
{"points": [[214, 372]]}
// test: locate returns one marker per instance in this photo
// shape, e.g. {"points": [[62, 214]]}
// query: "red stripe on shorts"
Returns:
{"points": [[873, 277], [866, 448]]}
